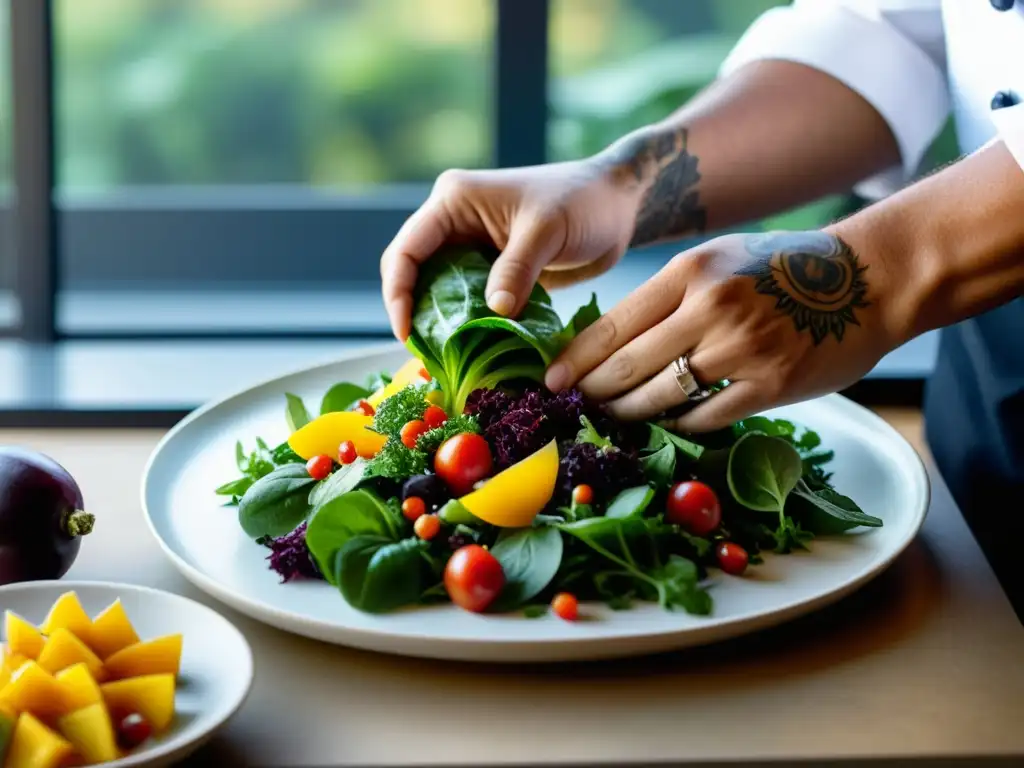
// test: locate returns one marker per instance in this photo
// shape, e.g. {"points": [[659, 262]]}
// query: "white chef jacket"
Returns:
{"points": [[913, 60]]}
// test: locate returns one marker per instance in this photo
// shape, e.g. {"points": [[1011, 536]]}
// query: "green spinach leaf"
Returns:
{"points": [[277, 503], [585, 316], [762, 472], [530, 558], [827, 512], [659, 468], [659, 437], [377, 575], [631, 502], [295, 412], [356, 513], [345, 478], [342, 396]]}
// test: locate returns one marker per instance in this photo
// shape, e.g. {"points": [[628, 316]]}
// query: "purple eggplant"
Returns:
{"points": [[42, 520]]}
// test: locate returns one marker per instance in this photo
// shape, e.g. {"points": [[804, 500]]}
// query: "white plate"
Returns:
{"points": [[216, 661], [873, 464]]}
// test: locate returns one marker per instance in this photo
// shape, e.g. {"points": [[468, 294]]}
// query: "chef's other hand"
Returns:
{"points": [[783, 316], [569, 221]]}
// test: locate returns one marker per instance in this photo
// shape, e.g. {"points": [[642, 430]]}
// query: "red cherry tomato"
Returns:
{"points": [[473, 578], [319, 467], [463, 460], [347, 452], [133, 730], [434, 416], [365, 408], [566, 606], [732, 558], [694, 506], [411, 432], [427, 526], [582, 494], [414, 508]]}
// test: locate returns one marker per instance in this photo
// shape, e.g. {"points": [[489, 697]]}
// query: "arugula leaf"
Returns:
{"points": [[659, 468], [342, 396], [376, 575], [630, 503], [530, 558], [589, 434], [827, 512], [295, 412]]}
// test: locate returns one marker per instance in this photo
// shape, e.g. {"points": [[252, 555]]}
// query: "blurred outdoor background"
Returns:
{"points": [[164, 106]]}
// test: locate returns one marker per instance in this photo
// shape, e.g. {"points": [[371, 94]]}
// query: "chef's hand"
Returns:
{"points": [[557, 223], [783, 316]]}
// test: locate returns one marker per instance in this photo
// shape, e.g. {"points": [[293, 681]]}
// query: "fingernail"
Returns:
{"points": [[557, 377], [501, 302]]}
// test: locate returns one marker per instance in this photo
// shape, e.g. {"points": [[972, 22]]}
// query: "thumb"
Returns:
{"points": [[533, 244]]}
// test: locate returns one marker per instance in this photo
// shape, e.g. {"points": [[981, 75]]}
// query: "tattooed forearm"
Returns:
{"points": [[815, 278], [659, 160]]}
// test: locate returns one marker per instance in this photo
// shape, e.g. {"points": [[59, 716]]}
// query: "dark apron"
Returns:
{"points": [[974, 422]]}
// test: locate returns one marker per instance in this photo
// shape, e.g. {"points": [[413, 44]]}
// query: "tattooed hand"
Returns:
{"points": [[559, 223], [782, 316]]}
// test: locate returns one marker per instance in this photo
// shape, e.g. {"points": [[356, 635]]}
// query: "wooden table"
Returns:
{"points": [[927, 661]]}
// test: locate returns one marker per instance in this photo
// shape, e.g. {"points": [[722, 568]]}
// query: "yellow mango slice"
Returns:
{"points": [[67, 613], [151, 696], [325, 433], [22, 637], [153, 657], [33, 745], [409, 373], [511, 499], [9, 664], [91, 734], [80, 688], [33, 689], [112, 631], [63, 649]]}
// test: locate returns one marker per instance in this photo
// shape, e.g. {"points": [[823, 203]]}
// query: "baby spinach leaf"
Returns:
{"points": [[276, 504], [342, 396], [235, 487], [377, 575], [762, 471], [631, 502], [283, 454], [659, 467], [585, 316], [356, 513], [295, 412], [344, 479], [530, 558]]}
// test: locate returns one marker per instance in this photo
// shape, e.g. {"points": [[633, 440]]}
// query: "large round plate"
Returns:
{"points": [[873, 464]]}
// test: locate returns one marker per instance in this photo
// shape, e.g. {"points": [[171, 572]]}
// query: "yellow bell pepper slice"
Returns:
{"points": [[411, 372], [511, 499], [324, 434]]}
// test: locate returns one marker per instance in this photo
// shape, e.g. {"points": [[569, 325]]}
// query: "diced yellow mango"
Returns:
{"points": [[409, 373], [151, 696], [33, 745], [67, 613], [511, 499], [9, 664], [63, 649], [326, 433], [22, 637], [80, 688], [153, 657], [112, 631], [33, 689], [91, 734]]}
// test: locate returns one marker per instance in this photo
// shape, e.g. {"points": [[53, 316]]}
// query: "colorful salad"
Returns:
{"points": [[462, 479]]}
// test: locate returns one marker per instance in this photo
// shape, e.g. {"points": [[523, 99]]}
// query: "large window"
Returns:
{"points": [[233, 167]]}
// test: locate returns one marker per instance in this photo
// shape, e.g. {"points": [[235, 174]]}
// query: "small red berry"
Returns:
{"points": [[566, 606], [434, 416], [427, 526], [133, 730], [347, 452], [365, 408], [582, 494], [732, 558], [411, 432], [320, 466], [414, 508]]}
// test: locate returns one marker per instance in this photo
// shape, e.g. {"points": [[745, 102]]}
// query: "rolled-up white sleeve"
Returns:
{"points": [[867, 53], [1009, 122]]}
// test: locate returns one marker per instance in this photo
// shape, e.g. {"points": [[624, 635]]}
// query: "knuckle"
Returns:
{"points": [[453, 183], [622, 366], [605, 331]]}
